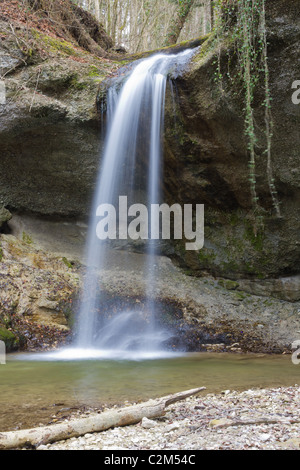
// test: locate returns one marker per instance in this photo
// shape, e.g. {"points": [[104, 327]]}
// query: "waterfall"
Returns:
{"points": [[135, 118]]}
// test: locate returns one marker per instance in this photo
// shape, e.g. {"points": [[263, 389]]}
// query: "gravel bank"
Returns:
{"points": [[258, 419]]}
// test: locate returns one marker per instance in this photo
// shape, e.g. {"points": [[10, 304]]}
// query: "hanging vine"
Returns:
{"points": [[243, 23]]}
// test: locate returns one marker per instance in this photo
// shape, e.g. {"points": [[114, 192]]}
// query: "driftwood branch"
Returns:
{"points": [[226, 423], [93, 423]]}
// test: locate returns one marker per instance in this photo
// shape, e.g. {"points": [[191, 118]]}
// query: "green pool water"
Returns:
{"points": [[33, 391]]}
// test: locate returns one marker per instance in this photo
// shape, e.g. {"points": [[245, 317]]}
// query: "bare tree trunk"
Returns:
{"points": [[145, 25], [211, 14], [178, 22], [97, 10]]}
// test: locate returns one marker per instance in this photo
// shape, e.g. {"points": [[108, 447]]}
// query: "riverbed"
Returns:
{"points": [[40, 389]]}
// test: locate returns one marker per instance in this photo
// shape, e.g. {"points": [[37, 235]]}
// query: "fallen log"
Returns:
{"points": [[93, 423]]}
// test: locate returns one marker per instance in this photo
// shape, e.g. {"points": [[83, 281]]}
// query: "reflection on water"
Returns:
{"points": [[30, 389]]}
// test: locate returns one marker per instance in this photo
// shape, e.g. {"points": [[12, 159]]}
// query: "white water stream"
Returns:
{"points": [[135, 118], [140, 104]]}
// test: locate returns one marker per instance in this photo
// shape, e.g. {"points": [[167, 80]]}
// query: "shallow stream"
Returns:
{"points": [[36, 389]]}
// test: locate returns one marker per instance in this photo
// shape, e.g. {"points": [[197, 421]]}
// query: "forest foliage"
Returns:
{"points": [[140, 25]]}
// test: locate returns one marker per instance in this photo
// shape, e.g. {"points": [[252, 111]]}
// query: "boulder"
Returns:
{"points": [[5, 216]]}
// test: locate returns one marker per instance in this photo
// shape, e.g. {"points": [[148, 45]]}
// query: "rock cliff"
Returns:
{"points": [[207, 162]]}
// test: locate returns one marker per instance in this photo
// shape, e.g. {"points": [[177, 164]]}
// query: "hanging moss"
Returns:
{"points": [[243, 23]]}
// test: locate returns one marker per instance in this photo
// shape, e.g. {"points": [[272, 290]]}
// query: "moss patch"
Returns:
{"points": [[94, 72], [67, 262], [228, 284], [54, 45], [27, 238], [11, 341], [256, 239], [172, 49]]}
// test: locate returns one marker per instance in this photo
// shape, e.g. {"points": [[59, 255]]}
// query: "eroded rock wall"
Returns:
{"points": [[207, 162]]}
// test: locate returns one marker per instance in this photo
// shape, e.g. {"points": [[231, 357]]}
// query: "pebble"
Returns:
{"points": [[172, 427], [208, 422], [148, 423]]}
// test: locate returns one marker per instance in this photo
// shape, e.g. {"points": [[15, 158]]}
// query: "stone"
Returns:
{"points": [[9, 63], [42, 447], [228, 284], [293, 443], [5, 216], [285, 288], [47, 304], [172, 427], [220, 423], [265, 437], [148, 423]]}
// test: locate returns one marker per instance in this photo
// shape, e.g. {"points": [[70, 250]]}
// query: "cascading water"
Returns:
{"points": [[140, 98]]}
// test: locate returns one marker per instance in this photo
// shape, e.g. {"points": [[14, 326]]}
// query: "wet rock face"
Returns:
{"points": [[206, 161], [49, 166], [50, 132]]}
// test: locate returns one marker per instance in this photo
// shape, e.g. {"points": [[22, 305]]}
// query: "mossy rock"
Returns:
{"points": [[10, 339], [228, 284], [67, 262], [5, 216]]}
